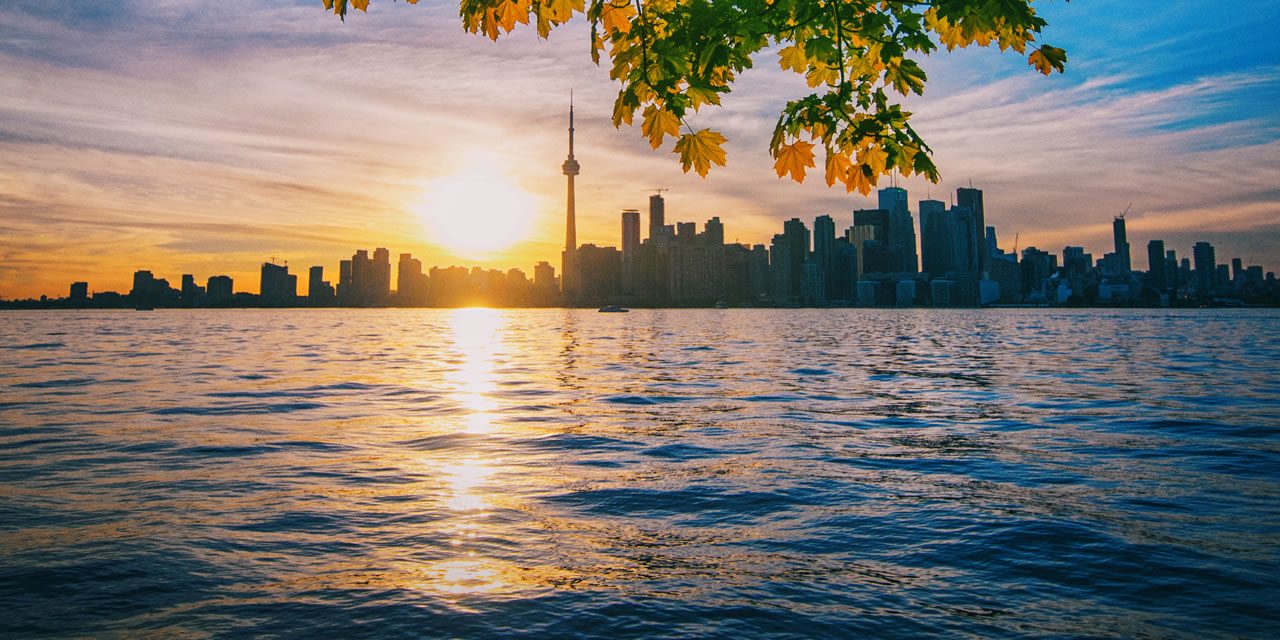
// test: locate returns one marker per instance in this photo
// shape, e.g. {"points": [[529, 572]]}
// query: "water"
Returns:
{"points": [[717, 473]]}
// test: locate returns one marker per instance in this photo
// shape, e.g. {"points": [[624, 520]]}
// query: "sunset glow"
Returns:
{"points": [[478, 212]]}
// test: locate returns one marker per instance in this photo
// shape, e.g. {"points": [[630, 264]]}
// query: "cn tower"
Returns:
{"points": [[569, 259]]}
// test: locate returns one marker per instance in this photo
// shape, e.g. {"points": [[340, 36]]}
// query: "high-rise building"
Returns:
{"points": [[630, 249], [657, 215], [191, 293], [346, 283], [796, 235], [869, 226], [1157, 270], [381, 283], [902, 234], [824, 249], [79, 292], [1121, 245], [1206, 267], [966, 248], [937, 239], [569, 259], [277, 286], [411, 282], [143, 283], [544, 276], [218, 288], [630, 232], [970, 198], [1237, 269], [319, 291], [714, 232]]}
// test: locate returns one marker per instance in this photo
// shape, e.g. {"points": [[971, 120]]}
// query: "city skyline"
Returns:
{"points": [[937, 254]]}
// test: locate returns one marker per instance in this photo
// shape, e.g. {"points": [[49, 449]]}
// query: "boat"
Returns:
{"points": [[613, 308]]}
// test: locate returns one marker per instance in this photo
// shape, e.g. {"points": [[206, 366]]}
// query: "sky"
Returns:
{"points": [[187, 136]]}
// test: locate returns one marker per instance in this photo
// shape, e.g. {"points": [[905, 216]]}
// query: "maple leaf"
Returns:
{"points": [[874, 158], [699, 150], [838, 165], [793, 58], [616, 17], [1047, 58], [793, 159], [658, 123]]}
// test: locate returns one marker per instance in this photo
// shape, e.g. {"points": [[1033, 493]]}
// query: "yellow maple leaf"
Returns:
{"points": [[793, 159], [616, 17], [821, 74], [874, 158], [699, 150], [793, 58], [857, 179], [659, 123], [838, 165]]}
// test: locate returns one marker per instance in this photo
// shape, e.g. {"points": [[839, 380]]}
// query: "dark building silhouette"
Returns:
{"points": [[657, 215], [411, 282], [937, 238], [971, 199], [569, 259], [218, 289], [1206, 267], [278, 287], [902, 234], [630, 250], [1157, 266], [319, 291], [1121, 240], [79, 292]]}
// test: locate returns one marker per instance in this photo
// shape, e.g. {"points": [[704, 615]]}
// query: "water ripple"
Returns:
{"points": [[549, 473]]}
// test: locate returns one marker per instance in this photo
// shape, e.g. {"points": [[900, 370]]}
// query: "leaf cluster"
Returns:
{"points": [[673, 57]]}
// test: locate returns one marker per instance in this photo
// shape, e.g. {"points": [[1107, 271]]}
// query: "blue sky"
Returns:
{"points": [[195, 137]]}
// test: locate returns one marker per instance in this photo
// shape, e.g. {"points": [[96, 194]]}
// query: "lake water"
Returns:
{"points": [[694, 473]]}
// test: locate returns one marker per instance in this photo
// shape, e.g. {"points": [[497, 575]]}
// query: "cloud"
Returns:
{"points": [[187, 136]]}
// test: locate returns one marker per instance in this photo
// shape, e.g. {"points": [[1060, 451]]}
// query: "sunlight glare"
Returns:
{"points": [[478, 212]]}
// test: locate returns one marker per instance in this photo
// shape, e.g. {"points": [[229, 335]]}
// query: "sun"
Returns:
{"points": [[478, 212]]}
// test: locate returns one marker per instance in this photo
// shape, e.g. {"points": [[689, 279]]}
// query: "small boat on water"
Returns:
{"points": [[613, 308]]}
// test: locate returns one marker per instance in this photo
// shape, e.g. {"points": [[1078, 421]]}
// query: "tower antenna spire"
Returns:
{"points": [[569, 265]]}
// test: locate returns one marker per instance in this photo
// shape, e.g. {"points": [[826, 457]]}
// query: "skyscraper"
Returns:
{"points": [[277, 285], [870, 227], [824, 248], [657, 215], [971, 199], [1206, 268], [630, 247], [1122, 245], [936, 241], [714, 232], [902, 233], [381, 282], [1156, 265], [569, 260]]}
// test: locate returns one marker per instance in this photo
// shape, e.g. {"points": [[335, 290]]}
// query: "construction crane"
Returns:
{"points": [[659, 190], [1015, 243], [1126, 211]]}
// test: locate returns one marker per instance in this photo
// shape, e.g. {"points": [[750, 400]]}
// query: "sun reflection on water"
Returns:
{"points": [[465, 477], [475, 338]]}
